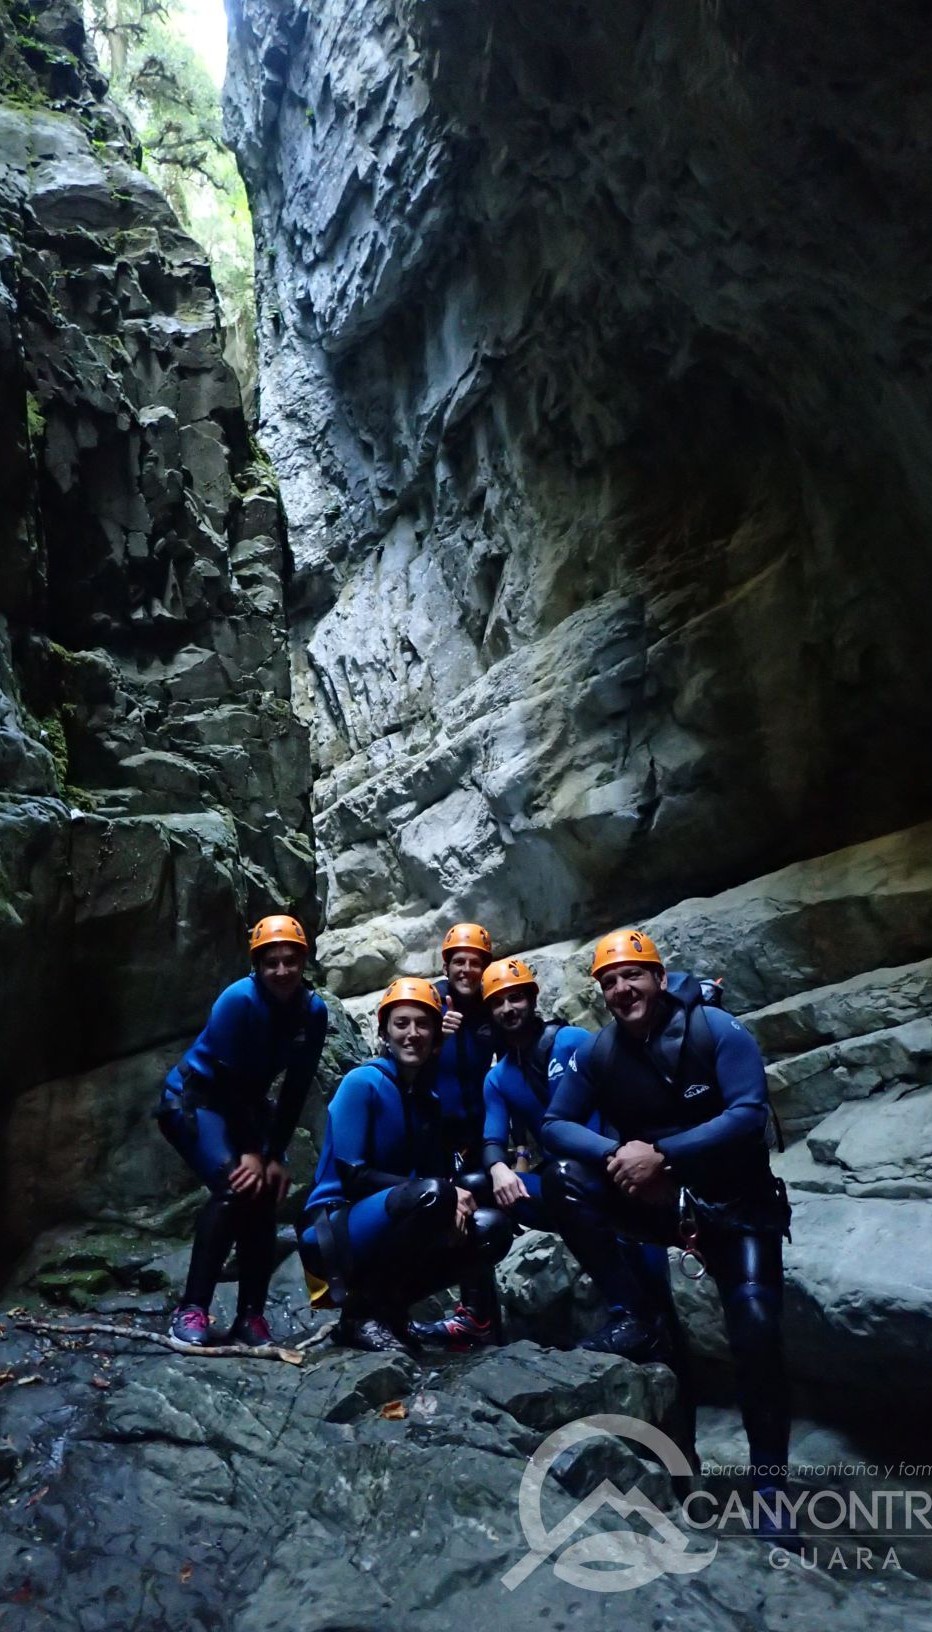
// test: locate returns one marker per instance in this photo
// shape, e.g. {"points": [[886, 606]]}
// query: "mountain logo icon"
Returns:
{"points": [[615, 1559]]}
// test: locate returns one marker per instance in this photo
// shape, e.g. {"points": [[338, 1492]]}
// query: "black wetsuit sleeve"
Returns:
{"points": [[564, 1131], [297, 1081], [739, 1070], [359, 1181]]}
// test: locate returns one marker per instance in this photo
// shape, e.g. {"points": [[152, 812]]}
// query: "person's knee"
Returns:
{"points": [[492, 1234], [254, 1202], [566, 1180], [478, 1185], [752, 1315], [221, 1203], [430, 1199]]}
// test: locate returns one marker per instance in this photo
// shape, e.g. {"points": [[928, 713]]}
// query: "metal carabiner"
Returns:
{"points": [[690, 1254], [692, 1257]]}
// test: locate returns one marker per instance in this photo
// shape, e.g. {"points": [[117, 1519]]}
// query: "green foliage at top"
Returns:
{"points": [[174, 107], [35, 419]]}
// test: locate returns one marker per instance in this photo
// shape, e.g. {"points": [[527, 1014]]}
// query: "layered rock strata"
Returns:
{"points": [[153, 777]]}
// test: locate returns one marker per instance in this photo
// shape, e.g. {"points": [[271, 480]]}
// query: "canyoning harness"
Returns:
{"points": [[536, 1062], [536, 1066], [688, 1232]]}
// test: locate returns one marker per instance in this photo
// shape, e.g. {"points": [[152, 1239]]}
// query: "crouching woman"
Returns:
{"points": [[385, 1225]]}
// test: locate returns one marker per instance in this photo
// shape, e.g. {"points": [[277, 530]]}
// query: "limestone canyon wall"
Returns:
{"points": [[154, 779], [596, 373]]}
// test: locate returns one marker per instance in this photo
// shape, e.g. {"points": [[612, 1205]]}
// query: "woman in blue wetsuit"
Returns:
{"points": [[215, 1111], [384, 1224]]}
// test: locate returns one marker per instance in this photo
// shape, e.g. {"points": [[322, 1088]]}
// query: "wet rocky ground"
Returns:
{"points": [[144, 1491]]}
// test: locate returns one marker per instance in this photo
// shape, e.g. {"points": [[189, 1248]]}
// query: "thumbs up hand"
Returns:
{"points": [[452, 1019]]}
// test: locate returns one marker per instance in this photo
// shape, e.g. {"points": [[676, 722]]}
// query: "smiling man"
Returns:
{"points": [[465, 1054], [681, 1091], [466, 1046], [532, 1056]]}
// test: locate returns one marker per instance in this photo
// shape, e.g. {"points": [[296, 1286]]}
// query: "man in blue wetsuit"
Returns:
{"points": [[682, 1095], [385, 1224], [466, 1048], [215, 1111], [533, 1054]]}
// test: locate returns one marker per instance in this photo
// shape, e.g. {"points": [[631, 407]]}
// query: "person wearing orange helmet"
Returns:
{"points": [[532, 1056], [466, 1049], [385, 1224], [465, 1054], [215, 1112], [681, 1090]]}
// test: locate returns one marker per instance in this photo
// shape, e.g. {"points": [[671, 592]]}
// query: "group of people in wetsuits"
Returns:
{"points": [[477, 1117]]}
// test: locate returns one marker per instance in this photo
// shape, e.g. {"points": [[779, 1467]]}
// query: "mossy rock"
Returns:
{"points": [[77, 1269], [75, 1287]]}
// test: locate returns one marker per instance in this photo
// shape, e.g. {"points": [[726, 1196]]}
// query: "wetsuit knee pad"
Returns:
{"points": [[435, 1196], [492, 1234], [220, 1204], [752, 1313], [566, 1180], [478, 1185]]}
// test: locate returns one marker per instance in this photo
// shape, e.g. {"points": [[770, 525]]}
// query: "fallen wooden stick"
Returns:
{"points": [[216, 1351], [317, 1337]]}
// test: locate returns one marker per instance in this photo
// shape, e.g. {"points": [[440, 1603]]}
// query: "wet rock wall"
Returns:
{"points": [[153, 778]]}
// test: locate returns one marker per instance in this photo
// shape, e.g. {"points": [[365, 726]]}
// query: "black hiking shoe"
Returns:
{"points": [[458, 1332], [632, 1339], [368, 1333], [252, 1330]]}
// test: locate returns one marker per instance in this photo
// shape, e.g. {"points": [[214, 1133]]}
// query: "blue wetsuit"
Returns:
{"points": [[214, 1103], [696, 1091], [214, 1109], [459, 1073], [705, 1111], [381, 1132], [512, 1098]]}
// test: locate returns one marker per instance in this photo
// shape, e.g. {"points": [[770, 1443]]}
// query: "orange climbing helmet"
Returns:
{"points": [[466, 938], [624, 946], [279, 927], [410, 989], [505, 973]]}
